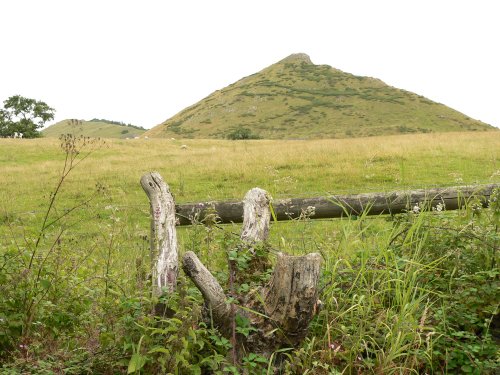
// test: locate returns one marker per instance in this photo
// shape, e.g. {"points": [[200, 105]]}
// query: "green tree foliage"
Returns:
{"points": [[24, 115], [241, 133]]}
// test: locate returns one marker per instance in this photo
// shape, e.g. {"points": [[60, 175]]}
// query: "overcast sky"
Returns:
{"points": [[141, 62]]}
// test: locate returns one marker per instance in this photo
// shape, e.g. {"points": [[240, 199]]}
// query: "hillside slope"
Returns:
{"points": [[296, 99], [94, 128]]}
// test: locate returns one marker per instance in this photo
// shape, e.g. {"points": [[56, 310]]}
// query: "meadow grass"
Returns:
{"points": [[220, 170], [224, 170], [396, 290]]}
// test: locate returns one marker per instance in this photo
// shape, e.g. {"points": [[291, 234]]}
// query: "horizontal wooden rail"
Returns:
{"points": [[341, 205]]}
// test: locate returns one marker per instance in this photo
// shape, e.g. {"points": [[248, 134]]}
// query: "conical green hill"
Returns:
{"points": [[295, 99]]}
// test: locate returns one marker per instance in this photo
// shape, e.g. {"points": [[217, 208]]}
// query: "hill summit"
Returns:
{"points": [[297, 58], [295, 98]]}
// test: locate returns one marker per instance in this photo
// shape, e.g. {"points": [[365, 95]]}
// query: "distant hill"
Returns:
{"points": [[94, 128], [296, 99]]}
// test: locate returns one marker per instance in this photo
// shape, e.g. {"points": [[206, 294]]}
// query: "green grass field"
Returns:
{"points": [[215, 169], [409, 294]]}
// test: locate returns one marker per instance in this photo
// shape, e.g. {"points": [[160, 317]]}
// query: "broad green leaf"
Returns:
{"points": [[137, 361]]}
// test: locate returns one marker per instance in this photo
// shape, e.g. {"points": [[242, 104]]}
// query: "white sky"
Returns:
{"points": [[141, 62]]}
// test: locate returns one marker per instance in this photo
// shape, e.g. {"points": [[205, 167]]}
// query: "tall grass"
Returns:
{"points": [[386, 284]]}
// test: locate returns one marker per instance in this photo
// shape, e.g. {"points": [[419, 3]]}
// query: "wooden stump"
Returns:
{"points": [[289, 304], [292, 294], [279, 312]]}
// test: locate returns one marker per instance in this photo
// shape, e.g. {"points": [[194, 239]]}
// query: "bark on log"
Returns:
{"points": [[163, 242], [342, 205]]}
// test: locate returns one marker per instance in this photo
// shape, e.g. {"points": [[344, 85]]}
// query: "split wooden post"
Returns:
{"points": [[281, 310], [256, 217], [163, 241]]}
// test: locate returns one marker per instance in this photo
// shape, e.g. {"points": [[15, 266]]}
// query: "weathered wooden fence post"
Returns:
{"points": [[281, 310], [163, 242], [256, 217]]}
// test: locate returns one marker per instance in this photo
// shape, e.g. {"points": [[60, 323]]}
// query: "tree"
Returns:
{"points": [[25, 116], [241, 133]]}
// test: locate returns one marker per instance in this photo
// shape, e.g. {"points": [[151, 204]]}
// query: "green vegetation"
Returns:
{"points": [[295, 99], [413, 293], [97, 128], [116, 123], [241, 133], [22, 117]]}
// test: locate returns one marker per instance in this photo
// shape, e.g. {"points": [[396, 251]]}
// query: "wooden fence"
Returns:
{"points": [[286, 305], [335, 206]]}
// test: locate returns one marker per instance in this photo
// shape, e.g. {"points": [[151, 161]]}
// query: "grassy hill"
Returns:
{"points": [[296, 99], [94, 128]]}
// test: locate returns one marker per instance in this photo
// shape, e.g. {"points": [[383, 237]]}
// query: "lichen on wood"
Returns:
{"points": [[163, 242], [256, 216]]}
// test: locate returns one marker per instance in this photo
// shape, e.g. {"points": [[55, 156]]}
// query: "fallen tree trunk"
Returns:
{"points": [[335, 206]]}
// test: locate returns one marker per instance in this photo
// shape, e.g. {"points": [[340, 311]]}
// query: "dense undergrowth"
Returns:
{"points": [[412, 293]]}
